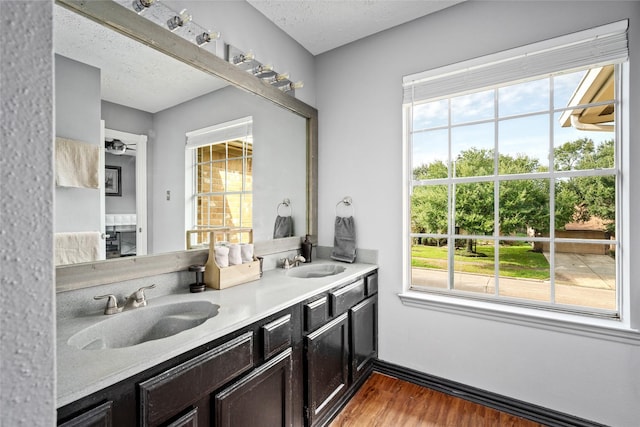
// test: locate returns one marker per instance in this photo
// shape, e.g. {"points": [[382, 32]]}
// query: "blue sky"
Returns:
{"points": [[525, 135]]}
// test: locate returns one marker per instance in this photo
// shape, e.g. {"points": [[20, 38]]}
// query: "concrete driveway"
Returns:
{"points": [[584, 280], [587, 270]]}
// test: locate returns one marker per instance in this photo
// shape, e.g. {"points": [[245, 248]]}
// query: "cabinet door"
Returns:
{"points": [[264, 397], [364, 335], [327, 358], [190, 419]]}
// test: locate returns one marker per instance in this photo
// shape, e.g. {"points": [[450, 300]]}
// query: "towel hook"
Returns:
{"points": [[347, 201], [286, 203]]}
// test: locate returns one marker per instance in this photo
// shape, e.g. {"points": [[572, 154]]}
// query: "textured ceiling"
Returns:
{"points": [[140, 77], [322, 25], [131, 74]]}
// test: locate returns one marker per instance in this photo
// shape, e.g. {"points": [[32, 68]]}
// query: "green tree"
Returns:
{"points": [[429, 203], [570, 155], [522, 202], [586, 197], [474, 202]]}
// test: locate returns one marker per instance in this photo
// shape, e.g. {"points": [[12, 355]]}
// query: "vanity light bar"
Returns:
{"points": [[246, 61], [180, 23]]}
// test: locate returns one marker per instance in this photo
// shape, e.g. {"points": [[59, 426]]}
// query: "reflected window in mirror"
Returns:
{"points": [[222, 177]]}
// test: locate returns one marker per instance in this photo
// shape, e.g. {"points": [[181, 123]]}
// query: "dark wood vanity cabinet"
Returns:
{"points": [[293, 368], [339, 353]]}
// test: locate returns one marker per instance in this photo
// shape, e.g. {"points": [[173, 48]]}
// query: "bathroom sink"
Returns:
{"points": [[315, 271], [143, 324]]}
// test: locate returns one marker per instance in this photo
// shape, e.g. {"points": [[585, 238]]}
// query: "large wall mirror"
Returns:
{"points": [[121, 77]]}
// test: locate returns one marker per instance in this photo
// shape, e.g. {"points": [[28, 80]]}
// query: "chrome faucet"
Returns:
{"points": [[112, 304], [290, 263], [135, 300]]}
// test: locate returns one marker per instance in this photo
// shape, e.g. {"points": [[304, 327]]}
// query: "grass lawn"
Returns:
{"points": [[515, 261]]}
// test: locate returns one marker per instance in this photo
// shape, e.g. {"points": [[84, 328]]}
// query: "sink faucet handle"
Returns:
{"points": [[112, 304], [139, 295]]}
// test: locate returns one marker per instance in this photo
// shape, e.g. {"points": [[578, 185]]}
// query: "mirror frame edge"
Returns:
{"points": [[122, 20]]}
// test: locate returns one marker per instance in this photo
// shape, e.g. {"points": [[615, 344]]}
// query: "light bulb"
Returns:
{"points": [[178, 20], [265, 68], [140, 5], [243, 57], [291, 86], [206, 37]]}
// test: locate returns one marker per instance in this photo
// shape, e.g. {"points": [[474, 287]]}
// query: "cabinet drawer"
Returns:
{"points": [[169, 393], [344, 298], [372, 284], [276, 336], [316, 314], [99, 416]]}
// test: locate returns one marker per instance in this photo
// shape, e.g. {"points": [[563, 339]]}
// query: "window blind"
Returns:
{"points": [[602, 45], [228, 131]]}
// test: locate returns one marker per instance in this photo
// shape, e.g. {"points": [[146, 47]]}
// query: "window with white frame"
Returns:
{"points": [[221, 160], [513, 165]]}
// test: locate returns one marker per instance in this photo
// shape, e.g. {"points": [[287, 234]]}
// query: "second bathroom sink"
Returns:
{"points": [[315, 271]]}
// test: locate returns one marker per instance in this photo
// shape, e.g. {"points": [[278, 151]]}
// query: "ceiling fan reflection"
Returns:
{"points": [[117, 147]]}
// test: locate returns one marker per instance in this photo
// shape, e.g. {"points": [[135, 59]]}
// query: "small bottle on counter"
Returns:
{"points": [[306, 249]]}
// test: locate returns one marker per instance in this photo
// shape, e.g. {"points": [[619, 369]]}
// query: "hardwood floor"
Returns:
{"points": [[389, 402]]}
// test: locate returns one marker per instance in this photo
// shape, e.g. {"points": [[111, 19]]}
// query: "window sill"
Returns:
{"points": [[606, 329]]}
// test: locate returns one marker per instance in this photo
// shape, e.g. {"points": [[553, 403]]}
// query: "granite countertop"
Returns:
{"points": [[82, 372]]}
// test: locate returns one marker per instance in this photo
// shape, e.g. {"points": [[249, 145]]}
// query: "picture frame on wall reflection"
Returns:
{"points": [[113, 181]]}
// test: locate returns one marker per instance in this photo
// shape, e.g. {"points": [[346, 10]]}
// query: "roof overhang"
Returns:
{"points": [[596, 87]]}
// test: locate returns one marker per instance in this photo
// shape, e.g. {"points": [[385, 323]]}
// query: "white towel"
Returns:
{"points": [[77, 164], [246, 252], [72, 248], [235, 256], [222, 256]]}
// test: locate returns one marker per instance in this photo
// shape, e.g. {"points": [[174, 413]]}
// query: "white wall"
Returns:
{"points": [[77, 102], [360, 154], [126, 119], [27, 315], [279, 155]]}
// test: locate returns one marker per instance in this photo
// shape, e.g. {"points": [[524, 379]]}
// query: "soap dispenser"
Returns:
{"points": [[306, 249]]}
